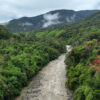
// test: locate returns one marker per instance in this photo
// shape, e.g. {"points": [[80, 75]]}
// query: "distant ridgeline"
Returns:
{"points": [[52, 18]]}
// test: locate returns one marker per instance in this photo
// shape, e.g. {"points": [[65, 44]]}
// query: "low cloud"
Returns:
{"points": [[25, 24], [11, 9], [71, 19], [50, 19]]}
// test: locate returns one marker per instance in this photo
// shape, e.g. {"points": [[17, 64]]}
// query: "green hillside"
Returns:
{"points": [[23, 55], [83, 74], [83, 62], [63, 17], [83, 71], [76, 33]]}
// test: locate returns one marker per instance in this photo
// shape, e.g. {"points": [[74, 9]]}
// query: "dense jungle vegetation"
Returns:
{"points": [[83, 62], [83, 65], [21, 57]]}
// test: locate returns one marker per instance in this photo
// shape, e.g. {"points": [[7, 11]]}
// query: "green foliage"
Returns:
{"points": [[22, 58], [83, 80], [51, 33], [77, 33], [24, 55], [4, 33]]}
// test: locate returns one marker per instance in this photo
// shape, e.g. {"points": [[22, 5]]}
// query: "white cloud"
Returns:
{"points": [[71, 19], [50, 19], [10, 9], [25, 24]]}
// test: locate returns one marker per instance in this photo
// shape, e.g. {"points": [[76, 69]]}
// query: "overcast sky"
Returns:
{"points": [[11, 9]]}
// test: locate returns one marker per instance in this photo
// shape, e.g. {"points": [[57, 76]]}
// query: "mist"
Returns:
{"points": [[51, 19]]}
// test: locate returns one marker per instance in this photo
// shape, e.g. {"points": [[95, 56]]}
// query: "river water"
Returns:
{"points": [[49, 84]]}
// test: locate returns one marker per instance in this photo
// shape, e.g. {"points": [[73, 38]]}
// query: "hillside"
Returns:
{"points": [[52, 18], [22, 56], [83, 71], [76, 33], [83, 62]]}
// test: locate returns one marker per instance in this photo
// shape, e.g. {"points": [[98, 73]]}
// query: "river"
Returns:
{"points": [[49, 84]]}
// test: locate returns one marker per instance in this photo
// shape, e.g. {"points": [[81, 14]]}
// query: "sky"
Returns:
{"points": [[12, 9]]}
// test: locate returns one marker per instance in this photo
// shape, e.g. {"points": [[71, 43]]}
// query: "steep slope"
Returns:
{"points": [[57, 17], [86, 29], [83, 71], [83, 62]]}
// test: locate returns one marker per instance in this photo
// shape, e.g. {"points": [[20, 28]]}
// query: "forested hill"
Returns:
{"points": [[83, 62], [52, 18], [76, 33], [94, 16], [22, 56]]}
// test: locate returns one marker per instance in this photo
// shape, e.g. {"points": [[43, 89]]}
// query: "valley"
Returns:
{"points": [[49, 84], [33, 60]]}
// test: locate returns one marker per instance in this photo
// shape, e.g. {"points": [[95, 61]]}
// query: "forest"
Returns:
{"points": [[23, 55], [83, 62], [84, 71]]}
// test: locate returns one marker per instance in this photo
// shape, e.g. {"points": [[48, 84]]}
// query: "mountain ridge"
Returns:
{"points": [[51, 18]]}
